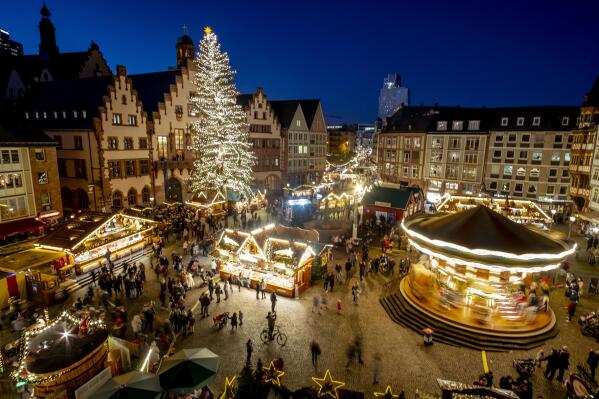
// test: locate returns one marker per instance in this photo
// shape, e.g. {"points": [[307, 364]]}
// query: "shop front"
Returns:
{"points": [[209, 203], [283, 265], [94, 239]]}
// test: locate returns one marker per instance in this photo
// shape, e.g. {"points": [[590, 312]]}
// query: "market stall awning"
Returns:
{"points": [[592, 216], [28, 259], [390, 197], [22, 226]]}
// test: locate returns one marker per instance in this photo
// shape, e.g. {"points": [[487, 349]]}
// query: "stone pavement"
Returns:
{"points": [[406, 363]]}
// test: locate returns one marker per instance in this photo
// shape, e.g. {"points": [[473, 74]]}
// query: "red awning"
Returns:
{"points": [[22, 226]]}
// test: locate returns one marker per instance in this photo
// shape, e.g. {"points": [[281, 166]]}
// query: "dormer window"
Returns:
{"points": [[124, 99], [55, 114], [536, 121], [565, 121], [37, 115], [473, 125], [457, 125], [520, 121], [26, 115], [64, 114], [442, 125], [75, 114], [83, 113], [504, 121], [44, 115]]}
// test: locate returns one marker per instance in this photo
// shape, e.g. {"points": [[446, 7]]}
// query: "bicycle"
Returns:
{"points": [[277, 335]]}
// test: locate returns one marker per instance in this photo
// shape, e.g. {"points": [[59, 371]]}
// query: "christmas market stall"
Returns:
{"points": [[392, 203], [281, 257], [520, 211], [62, 354], [479, 269], [94, 238], [209, 203]]}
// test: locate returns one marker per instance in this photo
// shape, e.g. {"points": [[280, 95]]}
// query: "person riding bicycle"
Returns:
{"points": [[271, 317]]}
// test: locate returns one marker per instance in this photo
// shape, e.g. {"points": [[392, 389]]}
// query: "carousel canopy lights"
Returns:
{"points": [[482, 226]]}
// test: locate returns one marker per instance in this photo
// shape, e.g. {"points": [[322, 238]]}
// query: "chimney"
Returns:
{"points": [[121, 70]]}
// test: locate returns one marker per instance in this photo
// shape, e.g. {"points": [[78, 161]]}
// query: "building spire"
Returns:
{"points": [[48, 47]]}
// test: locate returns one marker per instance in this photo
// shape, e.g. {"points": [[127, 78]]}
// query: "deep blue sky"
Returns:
{"points": [[452, 52]]}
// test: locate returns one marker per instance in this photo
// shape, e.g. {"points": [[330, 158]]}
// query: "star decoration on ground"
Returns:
{"points": [[272, 375], [327, 387], [388, 394], [229, 392]]}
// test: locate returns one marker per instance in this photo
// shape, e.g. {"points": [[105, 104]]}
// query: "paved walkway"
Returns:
{"points": [[406, 363]]}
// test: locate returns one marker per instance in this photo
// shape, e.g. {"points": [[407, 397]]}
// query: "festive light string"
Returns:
{"points": [[24, 347], [220, 139], [478, 265], [487, 252]]}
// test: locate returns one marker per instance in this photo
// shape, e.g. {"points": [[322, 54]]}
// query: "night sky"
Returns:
{"points": [[493, 53]]}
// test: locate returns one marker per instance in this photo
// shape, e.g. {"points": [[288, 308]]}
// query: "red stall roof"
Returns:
{"points": [[21, 226]]}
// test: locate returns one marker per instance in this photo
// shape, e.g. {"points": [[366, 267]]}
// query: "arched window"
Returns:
{"points": [[132, 197], [145, 195], [117, 200]]}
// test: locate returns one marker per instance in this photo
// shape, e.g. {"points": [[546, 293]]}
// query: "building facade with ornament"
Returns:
{"points": [[29, 182], [304, 140], [401, 146], [583, 148], [265, 136], [529, 153], [455, 151], [18, 73]]}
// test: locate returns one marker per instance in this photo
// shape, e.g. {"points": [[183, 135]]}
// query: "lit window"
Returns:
{"points": [[507, 170], [565, 121], [117, 119], [457, 125], [40, 155], [162, 146], [504, 121], [132, 119], [473, 125], [442, 125], [537, 155]]}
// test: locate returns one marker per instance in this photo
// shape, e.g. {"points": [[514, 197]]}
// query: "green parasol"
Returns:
{"points": [[133, 385], [188, 370]]}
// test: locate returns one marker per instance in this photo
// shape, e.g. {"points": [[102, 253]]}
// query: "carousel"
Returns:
{"points": [[520, 211], [480, 270], [62, 354]]}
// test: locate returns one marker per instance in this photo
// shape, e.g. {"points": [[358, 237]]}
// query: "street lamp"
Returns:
{"points": [[553, 211], [357, 190], [572, 219]]}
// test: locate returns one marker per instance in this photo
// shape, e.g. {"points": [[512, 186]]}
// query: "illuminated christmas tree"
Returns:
{"points": [[223, 155]]}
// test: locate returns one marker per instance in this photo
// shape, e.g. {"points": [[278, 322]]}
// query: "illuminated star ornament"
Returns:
{"points": [[229, 392], [327, 387], [272, 375], [207, 30], [388, 394]]}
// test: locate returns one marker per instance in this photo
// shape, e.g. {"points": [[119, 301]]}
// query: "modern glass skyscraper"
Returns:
{"points": [[392, 95]]}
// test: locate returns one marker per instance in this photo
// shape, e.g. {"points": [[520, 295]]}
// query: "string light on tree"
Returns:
{"points": [[223, 154]]}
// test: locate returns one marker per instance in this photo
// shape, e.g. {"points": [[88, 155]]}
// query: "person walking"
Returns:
{"points": [[376, 368], [218, 291], [331, 281], [563, 363], [573, 301], [240, 318], [593, 361], [315, 350], [249, 348], [552, 364], [316, 304], [257, 290], [234, 321], [325, 279], [210, 287], [263, 288], [226, 290], [338, 272], [273, 301]]}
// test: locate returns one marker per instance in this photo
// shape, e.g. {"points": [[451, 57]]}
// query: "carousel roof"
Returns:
{"points": [[483, 228]]}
